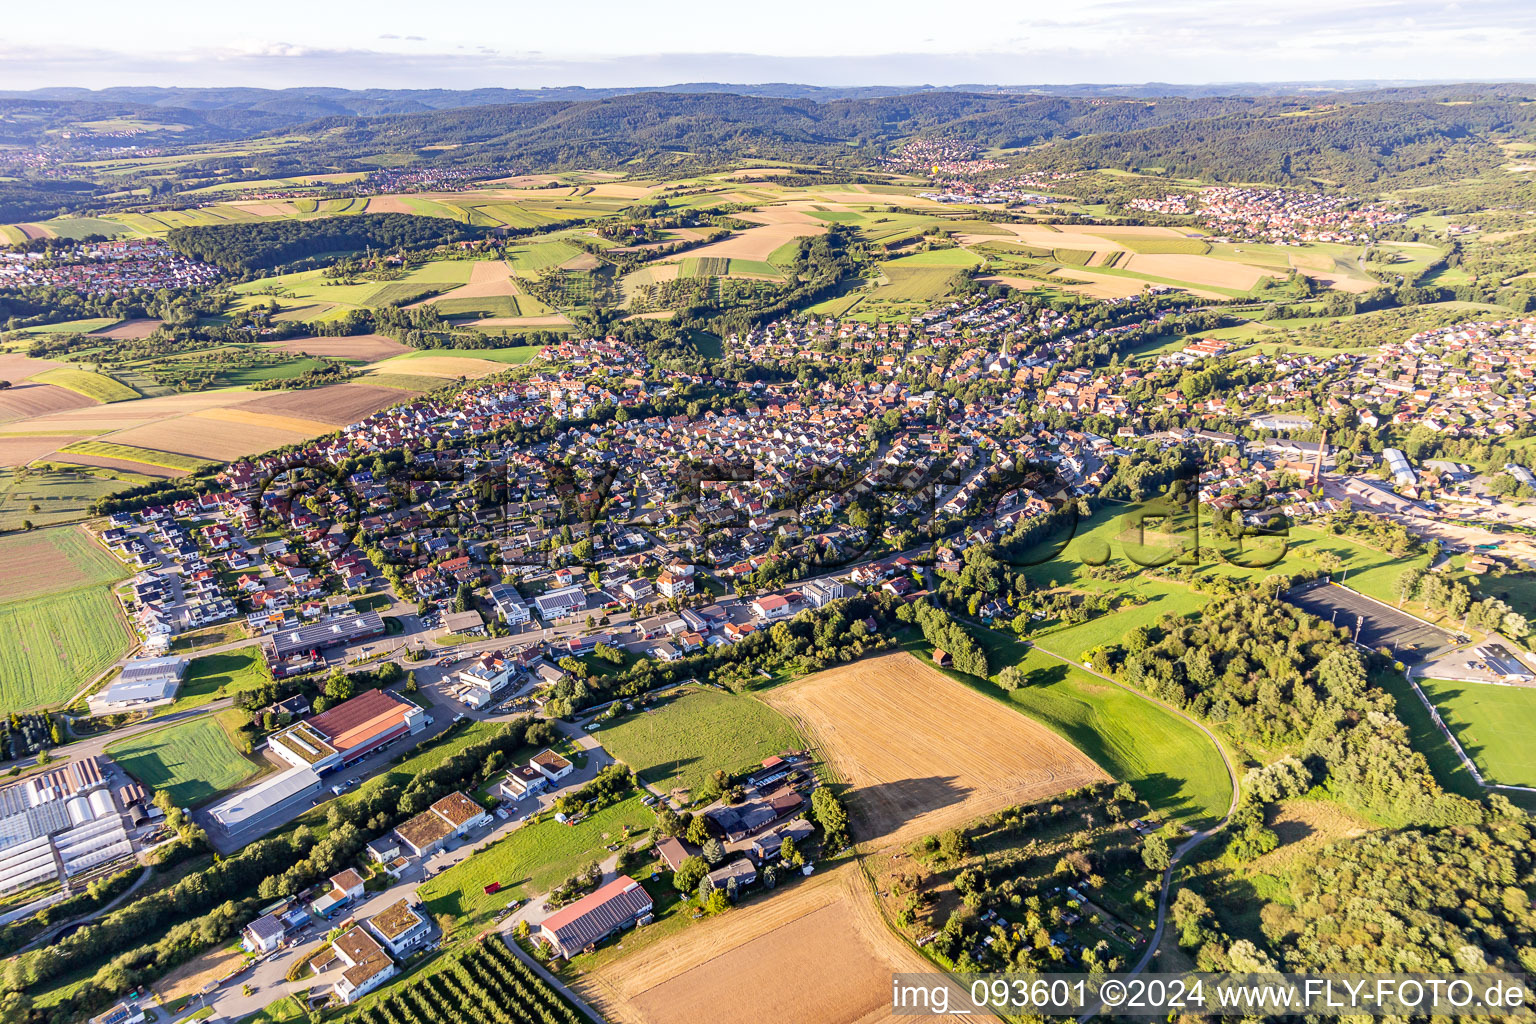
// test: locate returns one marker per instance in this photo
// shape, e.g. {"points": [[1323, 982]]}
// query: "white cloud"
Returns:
{"points": [[894, 42]]}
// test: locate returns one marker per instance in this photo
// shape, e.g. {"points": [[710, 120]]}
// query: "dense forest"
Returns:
{"points": [[1408, 142], [1450, 899], [244, 248], [1279, 678]]}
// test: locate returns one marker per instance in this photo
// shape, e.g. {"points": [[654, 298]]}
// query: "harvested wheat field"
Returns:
{"points": [[440, 366], [369, 348], [34, 231], [129, 329], [1199, 270], [18, 451], [297, 424], [1099, 286], [1045, 237], [815, 952], [99, 419], [22, 401], [16, 368], [486, 278], [280, 208], [921, 752], [546, 320], [780, 224], [335, 404], [388, 204], [204, 438]]}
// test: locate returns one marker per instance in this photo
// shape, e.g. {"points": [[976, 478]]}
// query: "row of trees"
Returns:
{"points": [[150, 935]]}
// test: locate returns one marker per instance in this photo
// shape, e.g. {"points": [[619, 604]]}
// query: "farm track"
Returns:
{"points": [[1183, 848]]}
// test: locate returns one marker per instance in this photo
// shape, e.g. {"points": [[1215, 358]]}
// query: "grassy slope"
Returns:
{"points": [[686, 738], [195, 760], [530, 861], [1172, 764]]}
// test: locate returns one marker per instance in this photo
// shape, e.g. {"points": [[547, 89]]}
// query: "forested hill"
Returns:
{"points": [[262, 245], [1428, 133], [1410, 142]]}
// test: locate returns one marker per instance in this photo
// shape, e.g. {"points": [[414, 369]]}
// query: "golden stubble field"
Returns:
{"points": [[920, 752], [814, 952]]}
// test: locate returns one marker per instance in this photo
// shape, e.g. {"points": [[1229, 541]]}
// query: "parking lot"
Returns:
{"points": [[1374, 624]]}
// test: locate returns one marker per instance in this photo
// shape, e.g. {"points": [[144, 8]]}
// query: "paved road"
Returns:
{"points": [[268, 979]]}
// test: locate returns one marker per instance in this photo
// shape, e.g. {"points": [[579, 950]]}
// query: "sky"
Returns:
{"points": [[598, 43]]}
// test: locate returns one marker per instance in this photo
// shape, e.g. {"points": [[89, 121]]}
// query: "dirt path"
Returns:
{"points": [[1183, 848]]}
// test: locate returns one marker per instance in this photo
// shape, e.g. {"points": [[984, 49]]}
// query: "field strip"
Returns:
{"points": [[266, 419]]}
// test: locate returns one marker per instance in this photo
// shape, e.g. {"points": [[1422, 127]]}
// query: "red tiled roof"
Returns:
{"points": [[356, 721]]}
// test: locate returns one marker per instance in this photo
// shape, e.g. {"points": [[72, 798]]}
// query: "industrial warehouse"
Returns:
{"points": [[327, 742]]}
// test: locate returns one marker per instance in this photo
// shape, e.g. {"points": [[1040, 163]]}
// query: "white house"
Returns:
{"points": [[772, 608], [365, 964], [551, 765], [557, 604], [400, 927], [510, 606]]}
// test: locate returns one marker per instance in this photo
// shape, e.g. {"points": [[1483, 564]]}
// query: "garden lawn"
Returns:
{"points": [[687, 737], [194, 760], [221, 675], [531, 861]]}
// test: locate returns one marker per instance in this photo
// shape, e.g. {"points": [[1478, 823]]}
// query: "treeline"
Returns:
{"points": [[809, 642], [151, 935], [1277, 677], [944, 633], [263, 245]]}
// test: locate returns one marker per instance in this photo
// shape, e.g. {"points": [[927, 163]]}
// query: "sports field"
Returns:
{"points": [[682, 739], [919, 751], [1493, 724], [194, 760]]}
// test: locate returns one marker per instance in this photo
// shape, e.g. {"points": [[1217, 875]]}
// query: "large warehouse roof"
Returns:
{"points": [[253, 802]]}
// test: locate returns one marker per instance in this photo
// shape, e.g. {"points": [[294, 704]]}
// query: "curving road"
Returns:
{"points": [[1184, 847]]}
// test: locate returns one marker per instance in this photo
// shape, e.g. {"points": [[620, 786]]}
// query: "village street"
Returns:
{"points": [[268, 979]]}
